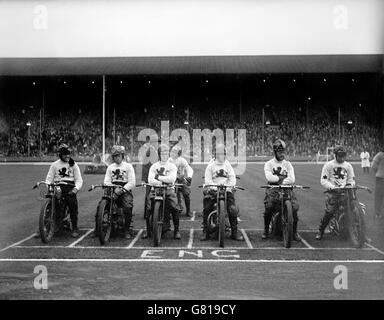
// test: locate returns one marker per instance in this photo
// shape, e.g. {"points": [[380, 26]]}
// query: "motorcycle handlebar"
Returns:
{"points": [[357, 187], [237, 177], [63, 183], [284, 186], [221, 186], [113, 186], [160, 186]]}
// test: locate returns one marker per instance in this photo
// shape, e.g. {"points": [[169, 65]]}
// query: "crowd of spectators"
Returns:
{"points": [[82, 129]]}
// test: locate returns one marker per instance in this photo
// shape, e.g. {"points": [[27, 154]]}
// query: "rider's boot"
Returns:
{"points": [[323, 224], [296, 236], [127, 225], [319, 234], [366, 238], [75, 230], [205, 235], [176, 223], [95, 234], [188, 206], [147, 233], [267, 221], [235, 235], [176, 234]]}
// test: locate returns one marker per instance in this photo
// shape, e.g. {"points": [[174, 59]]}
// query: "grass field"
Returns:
{"points": [[188, 268]]}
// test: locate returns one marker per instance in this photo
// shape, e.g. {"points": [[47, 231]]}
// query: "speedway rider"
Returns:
{"points": [[279, 171], [66, 170], [163, 172], [219, 172], [335, 174], [147, 157], [122, 173], [184, 177]]}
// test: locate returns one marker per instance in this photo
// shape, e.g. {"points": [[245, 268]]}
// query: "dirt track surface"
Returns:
{"points": [[189, 268]]}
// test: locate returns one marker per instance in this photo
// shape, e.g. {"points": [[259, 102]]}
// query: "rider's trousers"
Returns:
{"points": [[272, 204], [331, 205], [209, 201], [125, 202], [73, 208], [185, 190], [171, 207]]}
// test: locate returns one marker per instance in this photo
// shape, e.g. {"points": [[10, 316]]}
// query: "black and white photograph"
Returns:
{"points": [[198, 151]]}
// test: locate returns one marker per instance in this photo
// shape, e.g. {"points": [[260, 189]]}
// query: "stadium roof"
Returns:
{"points": [[194, 65]]}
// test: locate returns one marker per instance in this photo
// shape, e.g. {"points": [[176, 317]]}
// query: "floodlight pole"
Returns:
{"points": [[114, 126], [40, 134], [262, 131], [29, 141], [103, 117], [240, 103], [174, 107], [339, 124], [29, 138]]}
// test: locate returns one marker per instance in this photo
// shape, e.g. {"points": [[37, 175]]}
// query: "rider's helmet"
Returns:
{"points": [[279, 146], [116, 150], [340, 153], [176, 150], [64, 150], [162, 148], [220, 151]]}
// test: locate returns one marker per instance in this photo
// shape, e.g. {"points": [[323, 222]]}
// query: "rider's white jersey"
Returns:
{"points": [[167, 172], [62, 171], [336, 174], [122, 174], [273, 169], [220, 173], [183, 168]]}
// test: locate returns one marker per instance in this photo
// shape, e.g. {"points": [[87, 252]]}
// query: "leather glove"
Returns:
{"points": [[189, 181], [281, 179], [73, 191], [119, 191], [212, 190]]}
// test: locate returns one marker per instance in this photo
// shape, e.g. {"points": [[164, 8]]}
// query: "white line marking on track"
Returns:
{"points": [[305, 242], [46, 247], [135, 239], [81, 238], [374, 248], [249, 244], [304, 230], [184, 248], [193, 216], [186, 260], [190, 242], [17, 243]]}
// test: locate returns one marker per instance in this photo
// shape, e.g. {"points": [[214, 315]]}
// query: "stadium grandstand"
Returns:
{"points": [[312, 112]]}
